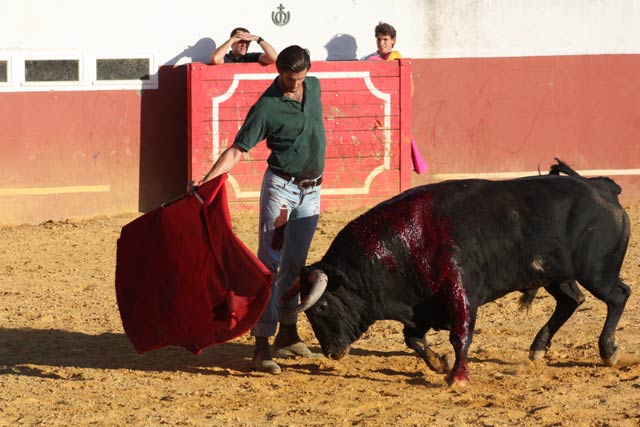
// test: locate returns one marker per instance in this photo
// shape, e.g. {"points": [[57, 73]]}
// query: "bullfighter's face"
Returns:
{"points": [[291, 83]]}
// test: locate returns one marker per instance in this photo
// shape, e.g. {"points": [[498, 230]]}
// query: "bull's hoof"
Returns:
{"points": [[439, 363], [447, 360], [612, 360], [536, 355], [457, 383]]}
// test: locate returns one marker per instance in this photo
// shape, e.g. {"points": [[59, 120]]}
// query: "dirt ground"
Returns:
{"points": [[65, 361]]}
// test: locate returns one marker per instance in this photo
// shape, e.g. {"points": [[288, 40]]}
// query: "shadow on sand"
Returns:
{"points": [[59, 348]]}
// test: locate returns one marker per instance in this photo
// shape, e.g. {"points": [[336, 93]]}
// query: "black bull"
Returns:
{"points": [[432, 255]]}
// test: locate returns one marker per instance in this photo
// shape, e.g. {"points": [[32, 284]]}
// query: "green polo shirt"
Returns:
{"points": [[294, 131]]}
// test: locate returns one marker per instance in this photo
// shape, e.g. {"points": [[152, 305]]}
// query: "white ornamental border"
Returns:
{"points": [[385, 97]]}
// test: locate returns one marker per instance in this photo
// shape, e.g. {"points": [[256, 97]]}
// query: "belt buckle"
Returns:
{"points": [[306, 183]]}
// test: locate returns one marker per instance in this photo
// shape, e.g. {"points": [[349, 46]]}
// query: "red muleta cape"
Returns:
{"points": [[183, 278]]}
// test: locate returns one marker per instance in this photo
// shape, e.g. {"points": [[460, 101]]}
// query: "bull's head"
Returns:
{"points": [[336, 314]]}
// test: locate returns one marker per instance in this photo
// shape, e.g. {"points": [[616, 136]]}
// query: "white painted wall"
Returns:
{"points": [[178, 32], [193, 29], [487, 28]]}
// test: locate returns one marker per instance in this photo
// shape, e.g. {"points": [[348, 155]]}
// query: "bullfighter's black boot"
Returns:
{"points": [[289, 344], [262, 357]]}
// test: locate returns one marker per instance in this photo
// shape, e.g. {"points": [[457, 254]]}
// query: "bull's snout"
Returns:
{"points": [[340, 355]]}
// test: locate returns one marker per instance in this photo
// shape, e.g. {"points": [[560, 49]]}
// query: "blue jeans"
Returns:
{"points": [[288, 220]]}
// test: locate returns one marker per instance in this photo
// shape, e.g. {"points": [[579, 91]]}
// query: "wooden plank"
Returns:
{"points": [[361, 163], [368, 148], [336, 100], [374, 125], [244, 101], [355, 112], [218, 87], [384, 85]]}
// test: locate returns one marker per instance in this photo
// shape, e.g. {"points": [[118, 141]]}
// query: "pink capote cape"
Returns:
{"points": [[183, 278], [419, 165]]}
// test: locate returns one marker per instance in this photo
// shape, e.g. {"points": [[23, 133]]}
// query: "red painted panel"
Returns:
{"points": [[68, 154], [366, 128], [510, 115], [83, 153]]}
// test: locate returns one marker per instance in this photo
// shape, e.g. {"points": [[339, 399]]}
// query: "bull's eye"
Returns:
{"points": [[321, 306]]}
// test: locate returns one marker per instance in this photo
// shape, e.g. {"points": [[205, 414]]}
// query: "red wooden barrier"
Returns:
{"points": [[367, 113]]}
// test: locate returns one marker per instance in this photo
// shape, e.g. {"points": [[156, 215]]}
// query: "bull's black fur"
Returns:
{"points": [[551, 231], [610, 189]]}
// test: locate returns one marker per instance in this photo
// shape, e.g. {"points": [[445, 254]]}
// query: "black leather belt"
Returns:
{"points": [[300, 182]]}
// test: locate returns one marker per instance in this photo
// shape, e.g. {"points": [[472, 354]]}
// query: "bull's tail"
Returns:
{"points": [[562, 167], [602, 183]]}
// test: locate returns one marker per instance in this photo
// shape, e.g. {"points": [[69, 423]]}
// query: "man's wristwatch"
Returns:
{"points": [[260, 39]]}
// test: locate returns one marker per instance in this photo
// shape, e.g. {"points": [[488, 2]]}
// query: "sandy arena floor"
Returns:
{"points": [[65, 361]]}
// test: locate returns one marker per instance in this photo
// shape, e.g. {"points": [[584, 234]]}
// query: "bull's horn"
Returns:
{"points": [[293, 290], [318, 285]]}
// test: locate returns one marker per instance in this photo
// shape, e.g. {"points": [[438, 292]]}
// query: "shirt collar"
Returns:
{"points": [[275, 87]]}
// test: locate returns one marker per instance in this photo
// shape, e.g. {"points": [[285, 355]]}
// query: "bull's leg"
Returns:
{"points": [[568, 298], [615, 300], [441, 364], [615, 296], [463, 322]]}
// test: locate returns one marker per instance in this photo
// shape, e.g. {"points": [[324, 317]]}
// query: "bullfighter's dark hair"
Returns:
{"points": [[293, 58]]}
